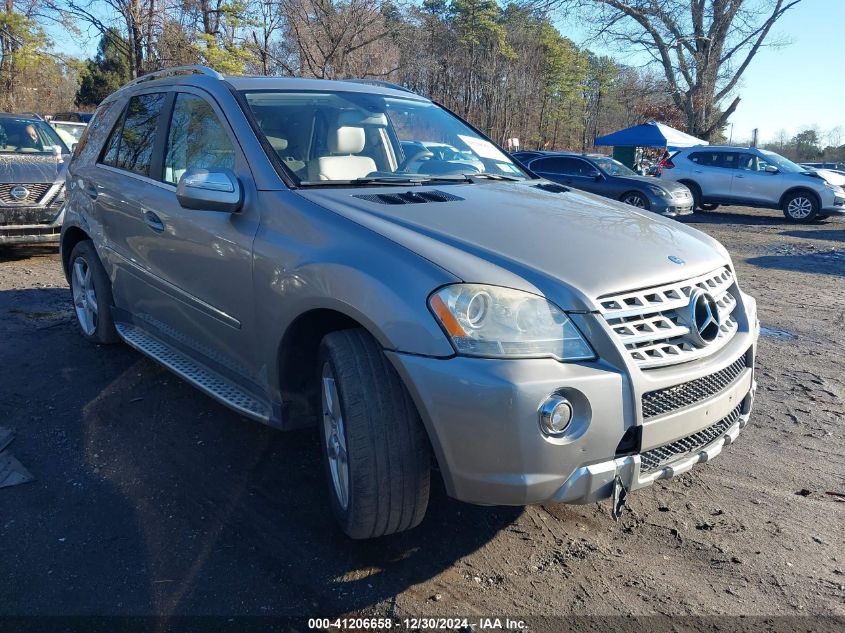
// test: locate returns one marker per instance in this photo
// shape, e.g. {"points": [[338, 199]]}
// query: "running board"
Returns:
{"points": [[210, 382]]}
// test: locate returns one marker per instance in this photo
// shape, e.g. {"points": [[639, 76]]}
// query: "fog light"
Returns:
{"points": [[555, 415]]}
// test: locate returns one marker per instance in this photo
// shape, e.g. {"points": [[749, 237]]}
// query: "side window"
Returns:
{"points": [[705, 159], [557, 165], [135, 150], [197, 139], [729, 160], [109, 156]]}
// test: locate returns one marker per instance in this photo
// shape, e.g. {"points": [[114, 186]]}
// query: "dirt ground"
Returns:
{"points": [[150, 498]]}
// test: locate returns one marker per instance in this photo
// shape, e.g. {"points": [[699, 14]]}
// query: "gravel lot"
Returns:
{"points": [[150, 498]]}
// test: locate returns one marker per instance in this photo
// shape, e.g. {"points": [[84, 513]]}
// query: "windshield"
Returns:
{"points": [[329, 136], [27, 136], [613, 167], [783, 164]]}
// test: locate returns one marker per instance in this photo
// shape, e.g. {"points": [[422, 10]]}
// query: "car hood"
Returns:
{"points": [[669, 185], [31, 168], [571, 247]]}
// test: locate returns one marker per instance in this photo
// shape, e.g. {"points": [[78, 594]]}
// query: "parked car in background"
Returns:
{"points": [[73, 117], [754, 177], [539, 343], [33, 162], [70, 133], [834, 165], [607, 177]]}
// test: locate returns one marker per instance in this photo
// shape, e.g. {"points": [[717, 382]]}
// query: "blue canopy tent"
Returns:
{"points": [[651, 134]]}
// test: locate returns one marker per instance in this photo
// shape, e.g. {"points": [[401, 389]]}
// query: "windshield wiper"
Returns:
{"points": [[491, 176]]}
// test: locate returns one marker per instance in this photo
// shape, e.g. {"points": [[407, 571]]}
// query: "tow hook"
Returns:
{"points": [[620, 495]]}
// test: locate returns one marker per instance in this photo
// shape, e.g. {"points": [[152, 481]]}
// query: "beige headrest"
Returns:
{"points": [[347, 140]]}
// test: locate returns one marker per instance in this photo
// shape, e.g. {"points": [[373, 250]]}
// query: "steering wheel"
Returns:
{"points": [[423, 153]]}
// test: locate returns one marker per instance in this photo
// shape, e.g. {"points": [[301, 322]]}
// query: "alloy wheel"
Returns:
{"points": [[334, 432], [84, 296], [799, 207], [635, 200]]}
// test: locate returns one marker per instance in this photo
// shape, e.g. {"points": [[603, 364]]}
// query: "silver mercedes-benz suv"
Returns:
{"points": [[266, 240], [33, 162], [748, 176]]}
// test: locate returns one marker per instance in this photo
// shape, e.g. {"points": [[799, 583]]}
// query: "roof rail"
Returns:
{"points": [[176, 70], [378, 82]]}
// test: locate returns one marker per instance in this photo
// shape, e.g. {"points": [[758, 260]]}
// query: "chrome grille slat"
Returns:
{"points": [[660, 457], [36, 192], [670, 399], [650, 324]]}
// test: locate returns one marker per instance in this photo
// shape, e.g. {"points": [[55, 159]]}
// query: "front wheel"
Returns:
{"points": [[800, 207], [92, 297], [636, 199], [375, 450]]}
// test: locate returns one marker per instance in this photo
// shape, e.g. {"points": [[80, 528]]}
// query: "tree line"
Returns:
{"points": [[505, 66]]}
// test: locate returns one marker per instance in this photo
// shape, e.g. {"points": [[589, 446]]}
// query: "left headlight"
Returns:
{"points": [[659, 191], [496, 322]]}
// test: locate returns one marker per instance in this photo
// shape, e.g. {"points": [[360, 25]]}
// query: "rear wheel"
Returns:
{"points": [[636, 199], [801, 207], [92, 297], [375, 450], [697, 205], [709, 207]]}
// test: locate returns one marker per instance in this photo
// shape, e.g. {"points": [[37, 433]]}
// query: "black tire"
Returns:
{"points": [[635, 199], [102, 331], [801, 207], [695, 190], [705, 206], [387, 450]]}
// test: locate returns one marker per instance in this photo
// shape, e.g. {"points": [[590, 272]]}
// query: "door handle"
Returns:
{"points": [[697, 171], [739, 176], [91, 191], [153, 221]]}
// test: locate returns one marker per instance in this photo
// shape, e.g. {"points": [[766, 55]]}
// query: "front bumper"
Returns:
{"points": [[671, 207], [27, 233], [482, 419]]}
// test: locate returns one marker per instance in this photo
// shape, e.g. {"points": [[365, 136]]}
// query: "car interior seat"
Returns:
{"points": [[344, 143]]}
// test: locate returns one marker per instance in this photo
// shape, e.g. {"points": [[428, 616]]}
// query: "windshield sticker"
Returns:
{"points": [[483, 148]]}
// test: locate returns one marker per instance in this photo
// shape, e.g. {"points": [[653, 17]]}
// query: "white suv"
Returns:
{"points": [[754, 177]]}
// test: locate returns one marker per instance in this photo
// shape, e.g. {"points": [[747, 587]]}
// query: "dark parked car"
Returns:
{"points": [[73, 117], [33, 163], [607, 177]]}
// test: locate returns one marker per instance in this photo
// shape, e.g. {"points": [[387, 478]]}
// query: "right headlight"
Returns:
{"points": [[496, 322]]}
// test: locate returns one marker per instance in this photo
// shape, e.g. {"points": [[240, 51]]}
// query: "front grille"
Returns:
{"points": [[36, 192], [657, 458], [673, 398], [652, 324]]}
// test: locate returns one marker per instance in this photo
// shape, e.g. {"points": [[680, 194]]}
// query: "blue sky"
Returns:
{"points": [[789, 88]]}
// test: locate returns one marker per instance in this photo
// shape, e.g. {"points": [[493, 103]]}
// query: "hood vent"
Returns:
{"points": [[409, 197], [553, 187]]}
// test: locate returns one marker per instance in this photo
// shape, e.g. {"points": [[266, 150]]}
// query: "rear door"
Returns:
{"points": [[713, 171]]}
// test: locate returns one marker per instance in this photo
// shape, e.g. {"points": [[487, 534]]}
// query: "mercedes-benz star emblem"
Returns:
{"points": [[676, 260], [19, 192], [703, 317]]}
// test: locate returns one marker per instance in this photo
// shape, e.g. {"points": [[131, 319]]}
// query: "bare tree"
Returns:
{"points": [[703, 46]]}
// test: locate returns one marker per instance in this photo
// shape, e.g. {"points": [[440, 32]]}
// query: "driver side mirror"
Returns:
{"points": [[771, 169], [210, 190], [595, 174]]}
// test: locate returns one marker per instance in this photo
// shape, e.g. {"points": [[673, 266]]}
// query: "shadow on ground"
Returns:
{"points": [[834, 235], [153, 499], [827, 262]]}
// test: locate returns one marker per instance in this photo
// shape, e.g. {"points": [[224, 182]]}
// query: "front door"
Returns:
{"points": [[184, 273], [753, 183]]}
